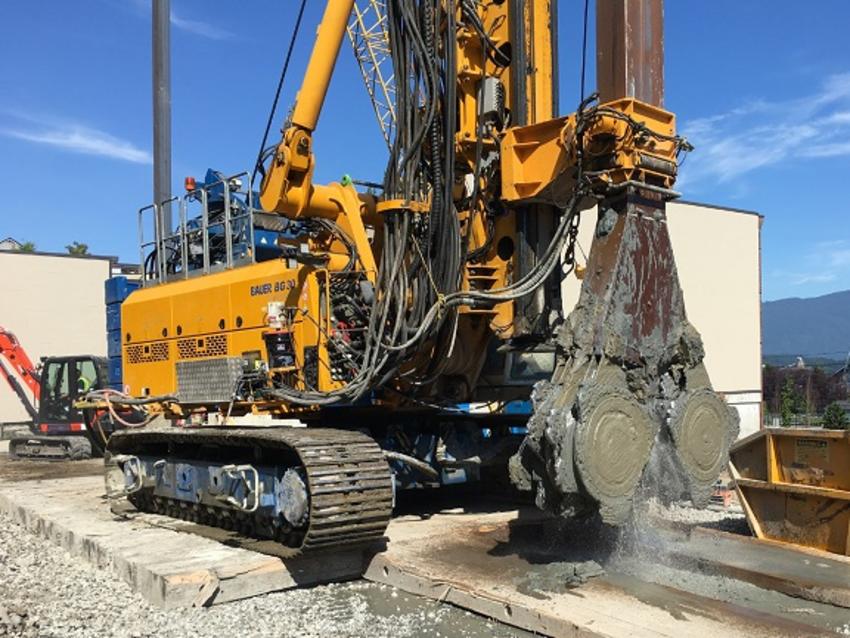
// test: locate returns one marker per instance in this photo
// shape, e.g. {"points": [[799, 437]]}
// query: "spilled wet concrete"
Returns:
{"points": [[548, 559]]}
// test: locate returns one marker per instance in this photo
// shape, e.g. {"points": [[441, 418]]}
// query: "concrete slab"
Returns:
{"points": [[511, 565], [10, 431], [169, 568]]}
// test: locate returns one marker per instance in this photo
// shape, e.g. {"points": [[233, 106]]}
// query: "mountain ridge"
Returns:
{"points": [[807, 326]]}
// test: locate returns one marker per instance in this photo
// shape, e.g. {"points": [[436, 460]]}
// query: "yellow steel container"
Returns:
{"points": [[794, 486]]}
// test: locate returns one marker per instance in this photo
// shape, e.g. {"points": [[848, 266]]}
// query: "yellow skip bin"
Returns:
{"points": [[794, 486]]}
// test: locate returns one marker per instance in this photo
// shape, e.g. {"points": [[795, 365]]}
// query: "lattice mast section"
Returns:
{"points": [[370, 41]]}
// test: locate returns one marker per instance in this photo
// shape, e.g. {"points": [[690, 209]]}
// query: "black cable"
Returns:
{"points": [[584, 49], [368, 184], [418, 288], [258, 166]]}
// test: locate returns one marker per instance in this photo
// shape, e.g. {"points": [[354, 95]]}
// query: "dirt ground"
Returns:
{"points": [[36, 578], [11, 470]]}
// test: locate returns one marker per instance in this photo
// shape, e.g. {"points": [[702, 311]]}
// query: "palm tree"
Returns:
{"points": [[26, 247], [76, 248]]}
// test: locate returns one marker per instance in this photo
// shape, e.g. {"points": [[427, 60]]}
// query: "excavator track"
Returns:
{"points": [[348, 481], [50, 448]]}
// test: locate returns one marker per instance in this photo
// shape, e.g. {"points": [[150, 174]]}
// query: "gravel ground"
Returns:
{"points": [[46, 592]]}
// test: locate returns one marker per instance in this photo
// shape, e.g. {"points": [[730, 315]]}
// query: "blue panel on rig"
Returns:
{"points": [[113, 317], [113, 342], [115, 374], [116, 290]]}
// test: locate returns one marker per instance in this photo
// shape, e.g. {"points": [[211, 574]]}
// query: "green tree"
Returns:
{"points": [[789, 401], [834, 418], [76, 248], [26, 247]]}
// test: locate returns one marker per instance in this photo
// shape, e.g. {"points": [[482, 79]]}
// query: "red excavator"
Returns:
{"points": [[48, 393]]}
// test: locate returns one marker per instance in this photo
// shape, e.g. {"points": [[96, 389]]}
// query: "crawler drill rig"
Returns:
{"points": [[317, 355]]}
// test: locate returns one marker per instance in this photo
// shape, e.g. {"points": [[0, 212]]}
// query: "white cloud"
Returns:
{"points": [[829, 244], [824, 262], [802, 279], [834, 252], [189, 25], [839, 258], [761, 133], [81, 139], [198, 27]]}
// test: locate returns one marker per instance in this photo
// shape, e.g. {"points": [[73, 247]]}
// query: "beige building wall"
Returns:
{"points": [[718, 256], [54, 305]]}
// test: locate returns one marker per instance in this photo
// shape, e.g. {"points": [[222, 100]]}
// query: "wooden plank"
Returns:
{"points": [[169, 568], [752, 520], [500, 564], [800, 572], [497, 563], [792, 488]]}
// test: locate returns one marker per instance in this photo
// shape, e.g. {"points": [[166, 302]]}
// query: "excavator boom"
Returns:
{"points": [[58, 427], [15, 364]]}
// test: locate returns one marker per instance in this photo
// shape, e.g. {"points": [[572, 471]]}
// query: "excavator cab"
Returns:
{"points": [[60, 431], [65, 380]]}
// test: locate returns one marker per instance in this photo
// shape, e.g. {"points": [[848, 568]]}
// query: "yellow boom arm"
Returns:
{"points": [[288, 186]]}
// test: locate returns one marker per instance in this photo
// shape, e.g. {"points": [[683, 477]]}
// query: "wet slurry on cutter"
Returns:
{"points": [[630, 383]]}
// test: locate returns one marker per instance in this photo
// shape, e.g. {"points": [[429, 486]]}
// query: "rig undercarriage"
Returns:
{"points": [[308, 489]]}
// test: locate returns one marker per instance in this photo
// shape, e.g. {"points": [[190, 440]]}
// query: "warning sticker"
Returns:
{"points": [[812, 452]]}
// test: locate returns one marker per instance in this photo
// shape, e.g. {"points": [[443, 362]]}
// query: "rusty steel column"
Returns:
{"points": [[630, 50]]}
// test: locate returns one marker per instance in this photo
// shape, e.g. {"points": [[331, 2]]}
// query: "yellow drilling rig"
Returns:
{"points": [[315, 347]]}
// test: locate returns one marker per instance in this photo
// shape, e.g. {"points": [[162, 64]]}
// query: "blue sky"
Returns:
{"points": [[762, 88]]}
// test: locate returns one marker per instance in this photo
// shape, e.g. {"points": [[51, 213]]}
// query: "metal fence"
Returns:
{"points": [[188, 250]]}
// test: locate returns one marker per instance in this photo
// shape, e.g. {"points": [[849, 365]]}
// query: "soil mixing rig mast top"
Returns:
{"points": [[418, 332]]}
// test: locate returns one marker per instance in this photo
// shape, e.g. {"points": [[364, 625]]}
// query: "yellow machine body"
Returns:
{"points": [[541, 156], [794, 486], [413, 328], [220, 315]]}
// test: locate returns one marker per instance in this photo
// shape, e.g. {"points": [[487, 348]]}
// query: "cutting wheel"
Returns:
{"points": [[703, 427], [613, 441]]}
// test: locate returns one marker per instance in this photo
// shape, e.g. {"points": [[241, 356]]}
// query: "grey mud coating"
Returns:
{"points": [[630, 403]]}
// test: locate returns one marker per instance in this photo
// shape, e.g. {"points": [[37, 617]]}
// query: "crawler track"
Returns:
{"points": [[349, 482], [50, 448]]}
